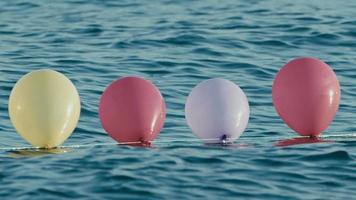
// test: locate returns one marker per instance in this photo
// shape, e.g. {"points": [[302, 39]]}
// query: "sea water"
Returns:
{"points": [[177, 44]]}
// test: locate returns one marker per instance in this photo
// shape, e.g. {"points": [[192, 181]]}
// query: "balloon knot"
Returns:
{"points": [[314, 137], [47, 147], [224, 139]]}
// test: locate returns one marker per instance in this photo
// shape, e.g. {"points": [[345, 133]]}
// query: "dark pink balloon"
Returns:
{"points": [[306, 95], [132, 110]]}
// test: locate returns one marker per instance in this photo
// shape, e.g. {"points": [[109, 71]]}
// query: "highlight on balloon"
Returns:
{"points": [[44, 108], [217, 111], [306, 95], [132, 111]]}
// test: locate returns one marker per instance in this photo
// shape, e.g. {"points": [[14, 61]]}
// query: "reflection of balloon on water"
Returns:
{"points": [[37, 152], [217, 110], [132, 110], [44, 107], [300, 141], [306, 95]]}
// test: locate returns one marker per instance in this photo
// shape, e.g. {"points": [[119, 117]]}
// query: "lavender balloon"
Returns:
{"points": [[217, 111]]}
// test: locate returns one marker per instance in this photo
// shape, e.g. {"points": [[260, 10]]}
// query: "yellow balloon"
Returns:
{"points": [[44, 107]]}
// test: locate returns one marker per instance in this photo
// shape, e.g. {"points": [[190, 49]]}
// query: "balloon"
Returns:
{"points": [[132, 110], [217, 111], [306, 95], [44, 107]]}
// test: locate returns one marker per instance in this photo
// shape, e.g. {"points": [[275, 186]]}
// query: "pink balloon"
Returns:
{"points": [[132, 110], [306, 95]]}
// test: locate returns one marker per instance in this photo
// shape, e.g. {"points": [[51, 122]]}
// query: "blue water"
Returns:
{"points": [[177, 44]]}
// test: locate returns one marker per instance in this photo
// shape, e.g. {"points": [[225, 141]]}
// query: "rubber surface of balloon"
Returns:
{"points": [[217, 110], [306, 95], [44, 107], [132, 110]]}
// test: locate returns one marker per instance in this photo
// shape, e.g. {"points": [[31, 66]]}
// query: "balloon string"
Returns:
{"points": [[69, 146], [162, 141], [342, 135], [217, 140]]}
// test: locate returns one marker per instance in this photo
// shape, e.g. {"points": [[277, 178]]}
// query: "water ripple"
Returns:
{"points": [[177, 44]]}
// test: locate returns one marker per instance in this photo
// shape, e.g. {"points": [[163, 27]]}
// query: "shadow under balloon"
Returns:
{"points": [[227, 145], [300, 141], [37, 152], [225, 142], [145, 144]]}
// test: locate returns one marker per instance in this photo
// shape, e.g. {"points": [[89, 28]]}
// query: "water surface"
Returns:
{"points": [[177, 44]]}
